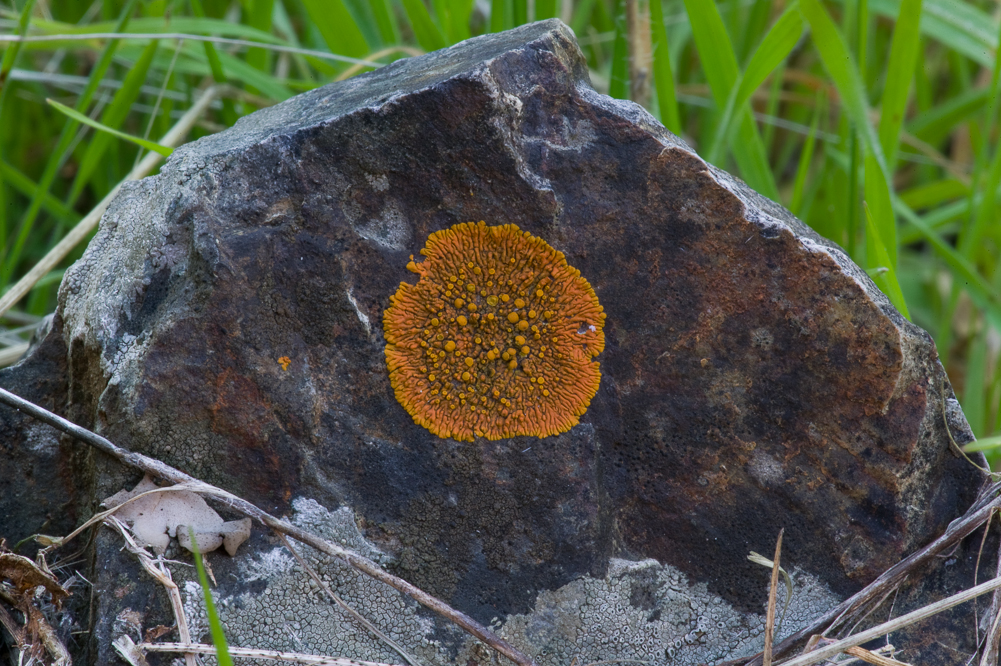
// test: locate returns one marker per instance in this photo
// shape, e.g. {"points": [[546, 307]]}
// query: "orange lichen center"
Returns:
{"points": [[497, 337]]}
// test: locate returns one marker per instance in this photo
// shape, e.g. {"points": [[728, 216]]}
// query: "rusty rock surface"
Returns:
{"points": [[227, 320]]}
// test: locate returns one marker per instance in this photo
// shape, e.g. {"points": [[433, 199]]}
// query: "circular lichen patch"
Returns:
{"points": [[496, 339]]}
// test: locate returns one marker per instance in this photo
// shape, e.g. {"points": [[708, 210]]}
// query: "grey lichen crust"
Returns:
{"points": [[638, 610]]}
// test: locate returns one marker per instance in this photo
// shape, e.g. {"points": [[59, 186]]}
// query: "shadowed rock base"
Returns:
{"points": [[227, 319]]}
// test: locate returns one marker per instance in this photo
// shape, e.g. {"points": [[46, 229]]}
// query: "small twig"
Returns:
{"points": [[363, 564], [293, 657], [766, 655], [162, 575], [343, 604], [828, 651]]}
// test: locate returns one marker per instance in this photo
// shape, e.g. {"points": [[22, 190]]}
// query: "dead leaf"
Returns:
{"points": [[25, 575], [156, 517]]}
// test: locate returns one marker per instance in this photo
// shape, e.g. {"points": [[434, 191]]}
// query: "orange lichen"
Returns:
{"points": [[284, 361], [497, 337]]}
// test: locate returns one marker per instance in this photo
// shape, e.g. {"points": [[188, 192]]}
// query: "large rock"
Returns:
{"points": [[227, 319]]}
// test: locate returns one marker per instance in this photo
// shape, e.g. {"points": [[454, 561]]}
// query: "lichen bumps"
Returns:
{"points": [[496, 339]]}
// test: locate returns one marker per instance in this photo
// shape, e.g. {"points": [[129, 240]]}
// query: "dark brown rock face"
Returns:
{"points": [[753, 378]]}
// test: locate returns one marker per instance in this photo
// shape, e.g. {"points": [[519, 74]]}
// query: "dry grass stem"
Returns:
{"points": [[291, 657], [833, 649], [765, 562], [159, 469], [874, 657], [766, 655], [162, 575], [171, 139]]}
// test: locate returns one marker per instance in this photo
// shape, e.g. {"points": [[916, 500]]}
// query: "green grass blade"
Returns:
{"points": [[258, 14], [839, 64], [80, 118], [9, 57], [986, 213], [12, 50], [880, 210], [453, 18], [262, 81], [545, 9], [841, 67], [980, 290], [974, 406], [520, 8], [713, 44], [427, 33], [667, 101], [20, 182], [215, 64], [500, 15], [382, 10], [754, 24], [618, 80], [361, 12], [935, 193], [959, 26], [720, 66], [773, 50], [337, 26], [460, 11], [582, 11], [984, 444], [899, 71], [806, 158], [442, 19], [215, 625], [9, 261], [935, 124], [885, 280], [112, 118], [218, 74]]}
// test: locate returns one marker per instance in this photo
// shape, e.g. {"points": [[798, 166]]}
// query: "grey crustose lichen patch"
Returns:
{"points": [[650, 612], [638, 610], [293, 613]]}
